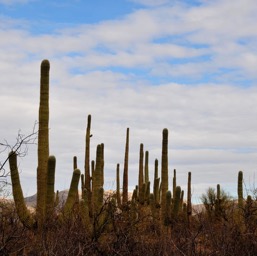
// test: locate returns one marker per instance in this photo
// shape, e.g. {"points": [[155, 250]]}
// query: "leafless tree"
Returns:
{"points": [[20, 147]]}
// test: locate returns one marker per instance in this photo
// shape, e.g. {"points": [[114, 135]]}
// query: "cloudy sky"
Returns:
{"points": [[188, 65]]}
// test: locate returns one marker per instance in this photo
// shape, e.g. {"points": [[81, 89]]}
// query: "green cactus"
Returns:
{"points": [[141, 174], [125, 173], [75, 164], [157, 191], [50, 195], [73, 192], [189, 195], [87, 162], [147, 192], [156, 175], [174, 182], [102, 165], [43, 141], [97, 180], [118, 185], [181, 201], [146, 167], [22, 211], [82, 178], [164, 172], [176, 201], [240, 189], [167, 217]]}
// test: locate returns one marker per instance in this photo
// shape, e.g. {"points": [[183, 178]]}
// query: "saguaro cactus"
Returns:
{"points": [[189, 196], [164, 172], [87, 162], [50, 195], [73, 192], [141, 174], [118, 185], [146, 167], [174, 182], [43, 140], [177, 201], [125, 173], [167, 218], [97, 180], [20, 205], [240, 189]]}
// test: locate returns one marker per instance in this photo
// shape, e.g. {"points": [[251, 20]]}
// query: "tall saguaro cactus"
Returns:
{"points": [[141, 174], [118, 185], [189, 195], [125, 173], [164, 171], [240, 189], [87, 162], [43, 140]]}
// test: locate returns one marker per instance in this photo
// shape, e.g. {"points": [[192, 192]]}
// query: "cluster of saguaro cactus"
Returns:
{"points": [[165, 205], [46, 200]]}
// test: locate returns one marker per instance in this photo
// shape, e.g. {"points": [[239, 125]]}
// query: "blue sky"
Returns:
{"points": [[189, 66]]}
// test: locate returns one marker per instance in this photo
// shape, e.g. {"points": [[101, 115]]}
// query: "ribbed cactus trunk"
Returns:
{"points": [[240, 189], [164, 172], [43, 141], [118, 198], [176, 204], [97, 181], [167, 218], [87, 163], [125, 173], [146, 167], [174, 183], [141, 174], [50, 195], [189, 200], [73, 192], [22, 211]]}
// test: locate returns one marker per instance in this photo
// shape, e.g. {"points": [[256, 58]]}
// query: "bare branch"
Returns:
{"points": [[20, 147]]}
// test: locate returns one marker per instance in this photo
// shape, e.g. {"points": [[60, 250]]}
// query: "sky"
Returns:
{"points": [[188, 66]]}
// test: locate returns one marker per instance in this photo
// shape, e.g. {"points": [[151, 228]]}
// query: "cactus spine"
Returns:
{"points": [[43, 140], [164, 172], [125, 173]]}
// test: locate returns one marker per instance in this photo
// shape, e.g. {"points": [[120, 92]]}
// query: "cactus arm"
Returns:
{"points": [[20, 205], [73, 192], [50, 186]]}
